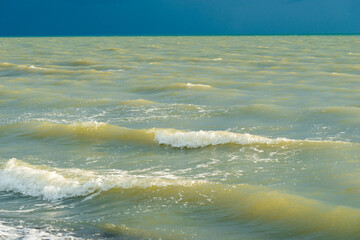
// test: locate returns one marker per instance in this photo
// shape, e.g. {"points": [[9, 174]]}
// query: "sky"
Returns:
{"points": [[177, 17]]}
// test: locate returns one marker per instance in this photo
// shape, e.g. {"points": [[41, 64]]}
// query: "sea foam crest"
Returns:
{"points": [[55, 183], [91, 125], [19, 232], [197, 139], [197, 85], [166, 136]]}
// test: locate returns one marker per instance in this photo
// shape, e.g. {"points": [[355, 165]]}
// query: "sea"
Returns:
{"points": [[180, 137]]}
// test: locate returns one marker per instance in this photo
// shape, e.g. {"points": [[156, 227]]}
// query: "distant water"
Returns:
{"points": [[180, 137]]}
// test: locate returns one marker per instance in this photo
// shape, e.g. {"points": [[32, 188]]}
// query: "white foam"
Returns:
{"points": [[172, 137], [55, 183], [90, 125], [197, 139], [20, 232], [112, 70], [33, 67], [197, 85]]}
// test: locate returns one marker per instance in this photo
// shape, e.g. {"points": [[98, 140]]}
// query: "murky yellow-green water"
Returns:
{"points": [[180, 137]]}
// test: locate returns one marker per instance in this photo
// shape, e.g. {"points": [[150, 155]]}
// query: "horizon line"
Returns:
{"points": [[187, 35]]}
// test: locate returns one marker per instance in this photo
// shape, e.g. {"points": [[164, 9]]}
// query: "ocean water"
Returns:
{"points": [[223, 137]]}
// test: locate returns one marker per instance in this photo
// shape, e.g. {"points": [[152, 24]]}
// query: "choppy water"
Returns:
{"points": [[180, 137]]}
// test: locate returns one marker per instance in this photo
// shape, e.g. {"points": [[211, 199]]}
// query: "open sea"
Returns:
{"points": [[208, 137]]}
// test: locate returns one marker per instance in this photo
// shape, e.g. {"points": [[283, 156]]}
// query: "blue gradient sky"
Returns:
{"points": [[177, 17]]}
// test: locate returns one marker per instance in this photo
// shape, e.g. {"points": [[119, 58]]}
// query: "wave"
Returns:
{"points": [[338, 111], [171, 137], [187, 85], [197, 85], [264, 110], [8, 93], [198, 139], [124, 231], [341, 116], [238, 202], [19, 232], [137, 102], [56, 183], [10, 69], [198, 59], [194, 86], [78, 62]]}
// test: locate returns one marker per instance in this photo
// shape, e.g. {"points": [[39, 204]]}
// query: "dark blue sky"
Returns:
{"points": [[177, 17]]}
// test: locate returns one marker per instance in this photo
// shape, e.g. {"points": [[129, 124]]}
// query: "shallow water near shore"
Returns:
{"points": [[223, 137]]}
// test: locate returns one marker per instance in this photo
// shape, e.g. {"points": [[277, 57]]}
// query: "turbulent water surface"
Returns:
{"points": [[180, 137]]}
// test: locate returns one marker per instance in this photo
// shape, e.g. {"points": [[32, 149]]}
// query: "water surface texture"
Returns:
{"points": [[180, 137]]}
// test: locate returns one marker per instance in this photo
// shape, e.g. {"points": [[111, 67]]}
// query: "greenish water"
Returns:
{"points": [[180, 137]]}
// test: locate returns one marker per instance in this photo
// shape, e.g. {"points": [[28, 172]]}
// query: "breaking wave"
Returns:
{"points": [[197, 139], [55, 183], [197, 85], [242, 201], [171, 137], [19, 232]]}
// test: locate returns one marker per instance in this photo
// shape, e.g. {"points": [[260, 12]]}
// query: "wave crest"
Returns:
{"points": [[20, 232], [137, 102], [198, 139], [239, 201], [172, 137], [56, 183]]}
